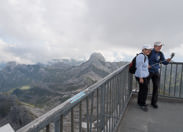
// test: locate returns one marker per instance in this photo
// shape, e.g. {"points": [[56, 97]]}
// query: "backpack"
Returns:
{"points": [[132, 65]]}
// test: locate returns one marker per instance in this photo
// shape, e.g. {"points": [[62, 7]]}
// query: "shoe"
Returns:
{"points": [[154, 106], [142, 104], [144, 108]]}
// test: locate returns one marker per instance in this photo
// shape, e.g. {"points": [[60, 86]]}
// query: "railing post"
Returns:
{"points": [[130, 81], [57, 126], [180, 91], [91, 114], [87, 113], [48, 128], [61, 123], [72, 120], [170, 80], [80, 117], [175, 87], [102, 109], [119, 90], [98, 126], [165, 80]]}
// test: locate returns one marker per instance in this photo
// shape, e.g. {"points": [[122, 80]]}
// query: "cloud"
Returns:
{"points": [[178, 53], [134, 22], [40, 30], [7, 56]]}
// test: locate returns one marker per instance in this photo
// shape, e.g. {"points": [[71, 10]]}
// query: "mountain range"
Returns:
{"points": [[40, 87]]}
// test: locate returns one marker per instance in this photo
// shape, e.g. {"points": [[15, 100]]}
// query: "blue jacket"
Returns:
{"points": [[142, 67], [154, 59]]}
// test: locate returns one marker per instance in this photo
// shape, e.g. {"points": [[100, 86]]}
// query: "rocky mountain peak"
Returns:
{"points": [[97, 56]]}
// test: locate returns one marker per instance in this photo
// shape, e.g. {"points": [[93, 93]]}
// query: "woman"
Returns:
{"points": [[141, 75]]}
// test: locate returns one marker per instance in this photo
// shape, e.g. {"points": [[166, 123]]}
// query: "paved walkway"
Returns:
{"points": [[167, 118]]}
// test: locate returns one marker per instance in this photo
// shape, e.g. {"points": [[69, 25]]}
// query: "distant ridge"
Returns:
{"points": [[41, 87]]}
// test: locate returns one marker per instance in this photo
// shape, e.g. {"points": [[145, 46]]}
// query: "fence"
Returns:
{"points": [[171, 81], [99, 108]]}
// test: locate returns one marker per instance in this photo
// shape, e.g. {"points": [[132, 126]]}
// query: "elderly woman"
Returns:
{"points": [[142, 74]]}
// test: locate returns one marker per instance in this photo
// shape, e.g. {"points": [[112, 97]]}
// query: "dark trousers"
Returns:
{"points": [[143, 90], [156, 83]]}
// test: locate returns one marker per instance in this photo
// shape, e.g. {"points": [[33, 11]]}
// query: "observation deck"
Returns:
{"points": [[110, 106]]}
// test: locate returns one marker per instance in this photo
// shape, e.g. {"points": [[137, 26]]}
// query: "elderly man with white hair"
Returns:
{"points": [[155, 58]]}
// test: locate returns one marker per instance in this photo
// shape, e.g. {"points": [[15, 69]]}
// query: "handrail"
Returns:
{"points": [[171, 81], [107, 98]]}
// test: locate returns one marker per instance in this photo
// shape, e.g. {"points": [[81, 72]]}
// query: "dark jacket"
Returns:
{"points": [[154, 59]]}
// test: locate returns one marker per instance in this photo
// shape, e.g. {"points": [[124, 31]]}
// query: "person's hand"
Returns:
{"points": [[169, 59], [149, 66], [141, 80]]}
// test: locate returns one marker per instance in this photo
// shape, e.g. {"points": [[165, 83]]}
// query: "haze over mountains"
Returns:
{"points": [[39, 87]]}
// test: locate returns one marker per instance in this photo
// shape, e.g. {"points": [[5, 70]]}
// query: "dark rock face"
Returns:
{"points": [[11, 111]]}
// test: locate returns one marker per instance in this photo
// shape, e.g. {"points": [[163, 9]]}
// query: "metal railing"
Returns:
{"points": [[98, 108], [171, 81]]}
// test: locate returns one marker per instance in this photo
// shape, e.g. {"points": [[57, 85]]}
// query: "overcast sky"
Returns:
{"points": [[40, 30]]}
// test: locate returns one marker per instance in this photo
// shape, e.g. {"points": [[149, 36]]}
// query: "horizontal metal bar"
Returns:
{"points": [[160, 95], [176, 62], [107, 115]]}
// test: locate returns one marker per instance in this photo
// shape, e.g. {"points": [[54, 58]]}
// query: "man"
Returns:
{"points": [[155, 58], [141, 75]]}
